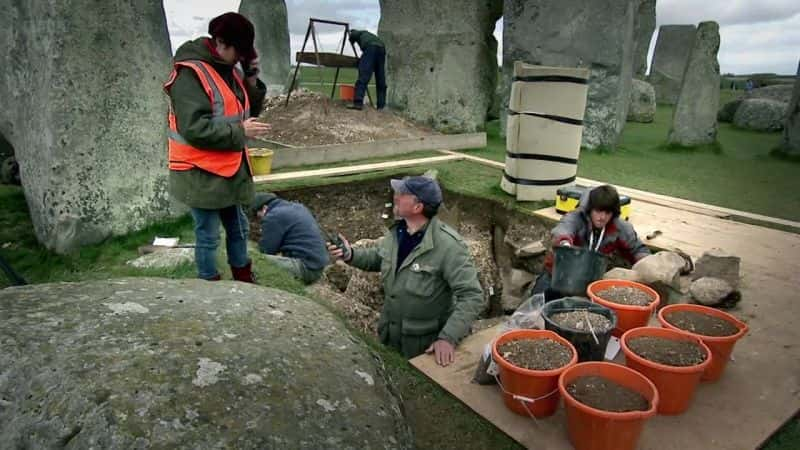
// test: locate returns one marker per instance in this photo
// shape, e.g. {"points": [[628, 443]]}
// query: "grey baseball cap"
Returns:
{"points": [[261, 199], [426, 189]]}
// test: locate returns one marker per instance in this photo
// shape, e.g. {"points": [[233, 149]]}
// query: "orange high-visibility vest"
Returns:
{"points": [[225, 107]]}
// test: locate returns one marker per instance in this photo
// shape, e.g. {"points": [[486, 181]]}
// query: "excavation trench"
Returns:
{"points": [[505, 245]]}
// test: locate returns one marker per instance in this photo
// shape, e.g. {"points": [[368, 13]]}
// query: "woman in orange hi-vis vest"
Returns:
{"points": [[213, 106]]}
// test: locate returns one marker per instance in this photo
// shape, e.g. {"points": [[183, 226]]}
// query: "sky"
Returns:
{"points": [[755, 35]]}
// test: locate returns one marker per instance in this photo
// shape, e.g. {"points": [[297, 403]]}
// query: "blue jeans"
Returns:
{"points": [[373, 59], [206, 232], [295, 267]]}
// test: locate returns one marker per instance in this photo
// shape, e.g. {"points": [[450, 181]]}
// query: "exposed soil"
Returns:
{"points": [[314, 119], [604, 394], [577, 320], [700, 323], [625, 295], [668, 351], [536, 354], [362, 212]]}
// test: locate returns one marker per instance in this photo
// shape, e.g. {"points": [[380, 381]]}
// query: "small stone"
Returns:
{"points": [[619, 273], [663, 266], [710, 291], [718, 263]]}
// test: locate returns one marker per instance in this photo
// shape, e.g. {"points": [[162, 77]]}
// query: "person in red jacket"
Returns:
{"points": [[595, 225]]}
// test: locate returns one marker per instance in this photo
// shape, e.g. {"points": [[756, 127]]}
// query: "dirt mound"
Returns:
{"points": [[315, 119]]}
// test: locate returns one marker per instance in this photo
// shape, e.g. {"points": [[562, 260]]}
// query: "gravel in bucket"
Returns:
{"points": [[700, 323], [535, 354], [626, 295], [604, 394], [669, 352], [577, 320]]}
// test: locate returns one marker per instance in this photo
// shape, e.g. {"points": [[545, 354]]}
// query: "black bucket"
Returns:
{"points": [[583, 340], [575, 268]]}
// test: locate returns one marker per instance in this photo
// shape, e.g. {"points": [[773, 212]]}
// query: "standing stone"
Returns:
{"points": [[574, 33], [643, 28], [791, 129], [643, 102], [271, 22], [673, 45], [85, 111], [441, 60], [694, 121]]}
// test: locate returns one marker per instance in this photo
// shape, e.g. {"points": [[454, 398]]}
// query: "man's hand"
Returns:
{"points": [[253, 128], [251, 71], [444, 352], [345, 252]]}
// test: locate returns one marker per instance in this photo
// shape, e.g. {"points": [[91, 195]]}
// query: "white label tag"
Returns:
{"points": [[166, 241], [492, 369], [613, 348]]}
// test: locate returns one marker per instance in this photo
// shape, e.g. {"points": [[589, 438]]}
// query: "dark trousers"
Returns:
{"points": [[373, 60]]}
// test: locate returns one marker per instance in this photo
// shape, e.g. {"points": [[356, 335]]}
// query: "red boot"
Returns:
{"points": [[244, 274]]}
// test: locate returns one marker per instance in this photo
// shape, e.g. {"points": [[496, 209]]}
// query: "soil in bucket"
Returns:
{"points": [[536, 354], [581, 319], [700, 323], [668, 351], [604, 394], [625, 295], [586, 325], [530, 363]]}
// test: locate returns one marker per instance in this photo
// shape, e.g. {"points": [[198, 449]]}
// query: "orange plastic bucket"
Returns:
{"points": [[628, 316], [347, 92], [721, 346], [676, 385], [594, 429], [528, 391]]}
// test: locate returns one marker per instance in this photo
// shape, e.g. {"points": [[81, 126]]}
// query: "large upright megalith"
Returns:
{"points": [[86, 114], [441, 60], [791, 128], [271, 22], [673, 45], [694, 121], [643, 27], [574, 33]]}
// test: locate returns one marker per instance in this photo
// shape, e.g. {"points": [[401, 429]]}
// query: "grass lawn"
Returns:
{"points": [[738, 173]]}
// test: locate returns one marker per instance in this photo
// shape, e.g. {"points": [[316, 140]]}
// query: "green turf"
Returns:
{"points": [[739, 172]]}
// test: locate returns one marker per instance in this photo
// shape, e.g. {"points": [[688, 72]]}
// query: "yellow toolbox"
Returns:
{"points": [[568, 198]]}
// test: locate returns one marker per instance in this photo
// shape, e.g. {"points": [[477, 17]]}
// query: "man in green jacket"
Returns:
{"points": [[211, 197], [431, 289], [373, 60]]}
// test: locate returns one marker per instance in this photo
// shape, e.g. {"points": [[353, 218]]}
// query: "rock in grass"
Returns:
{"points": [[158, 363], [760, 114]]}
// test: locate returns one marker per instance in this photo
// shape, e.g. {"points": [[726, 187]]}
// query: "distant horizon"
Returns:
{"points": [[755, 37]]}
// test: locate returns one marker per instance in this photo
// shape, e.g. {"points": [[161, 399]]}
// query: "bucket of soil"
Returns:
{"points": [[586, 325], [633, 302], [718, 330], [530, 362], [607, 405], [574, 268], [261, 161], [673, 360]]}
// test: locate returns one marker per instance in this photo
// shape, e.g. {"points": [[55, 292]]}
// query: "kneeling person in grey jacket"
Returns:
{"points": [[290, 237]]}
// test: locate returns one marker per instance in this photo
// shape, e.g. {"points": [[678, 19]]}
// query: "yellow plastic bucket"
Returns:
{"points": [[261, 161]]}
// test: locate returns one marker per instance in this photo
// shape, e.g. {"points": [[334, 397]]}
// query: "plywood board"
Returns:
{"points": [[333, 153], [349, 170], [760, 389]]}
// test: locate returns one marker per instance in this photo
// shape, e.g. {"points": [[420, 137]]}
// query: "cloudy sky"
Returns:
{"points": [[756, 35]]}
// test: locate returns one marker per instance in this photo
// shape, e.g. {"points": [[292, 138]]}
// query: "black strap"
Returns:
{"points": [[561, 119], [552, 79], [540, 157], [527, 182]]}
